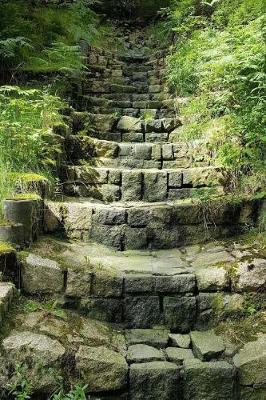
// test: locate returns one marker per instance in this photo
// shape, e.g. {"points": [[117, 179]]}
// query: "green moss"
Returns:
{"points": [[25, 196], [6, 248], [28, 177]]}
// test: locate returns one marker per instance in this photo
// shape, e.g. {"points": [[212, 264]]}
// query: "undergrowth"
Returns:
{"points": [[27, 140], [219, 65]]}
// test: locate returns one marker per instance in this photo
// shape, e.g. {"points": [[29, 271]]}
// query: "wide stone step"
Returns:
{"points": [[138, 225], [113, 184], [132, 154], [177, 288]]}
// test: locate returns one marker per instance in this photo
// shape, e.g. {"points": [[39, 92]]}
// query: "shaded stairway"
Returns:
{"points": [[131, 182], [113, 298]]}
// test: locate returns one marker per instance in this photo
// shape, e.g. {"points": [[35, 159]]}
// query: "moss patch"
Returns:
{"points": [[25, 196], [28, 177], [6, 248]]}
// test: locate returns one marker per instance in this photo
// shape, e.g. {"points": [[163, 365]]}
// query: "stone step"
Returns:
{"points": [[132, 184], [110, 122], [116, 363], [176, 288], [140, 225], [158, 155]]}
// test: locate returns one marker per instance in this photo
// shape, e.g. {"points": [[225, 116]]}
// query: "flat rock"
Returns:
{"points": [[251, 362], [212, 279], [34, 352], [178, 355], [206, 345], [102, 369], [179, 340], [138, 353], [156, 337], [250, 276]]}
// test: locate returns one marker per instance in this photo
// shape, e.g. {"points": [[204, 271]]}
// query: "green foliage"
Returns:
{"points": [[49, 307], [41, 38], [77, 393], [20, 389], [27, 140], [219, 65]]}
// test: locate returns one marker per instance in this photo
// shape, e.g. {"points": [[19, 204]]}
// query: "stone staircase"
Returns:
{"points": [[138, 289], [130, 182]]}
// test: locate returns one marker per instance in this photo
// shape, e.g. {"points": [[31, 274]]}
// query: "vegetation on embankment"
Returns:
{"points": [[218, 64], [40, 50]]}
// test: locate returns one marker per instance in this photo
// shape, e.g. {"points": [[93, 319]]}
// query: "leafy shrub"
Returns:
{"points": [[41, 38], [221, 68], [77, 393], [27, 140]]}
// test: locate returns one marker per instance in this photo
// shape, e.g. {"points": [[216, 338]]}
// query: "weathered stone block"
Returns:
{"points": [[175, 179], [107, 283], [175, 284], [142, 311], [156, 152], [114, 177], [156, 337], [176, 355], [206, 345], [155, 186], [251, 362], [178, 340], [110, 216], [143, 151], [27, 212], [78, 283], [129, 124], [250, 276], [104, 148], [154, 380], [139, 283], [212, 279], [167, 152], [208, 380], [103, 369], [102, 122], [77, 216], [135, 238], [133, 137], [138, 353], [131, 185], [35, 352], [180, 313], [103, 309], [138, 217], [41, 276], [108, 235]]}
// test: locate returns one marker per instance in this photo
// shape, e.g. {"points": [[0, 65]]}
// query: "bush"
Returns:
{"points": [[220, 66], [41, 38], [27, 140]]}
